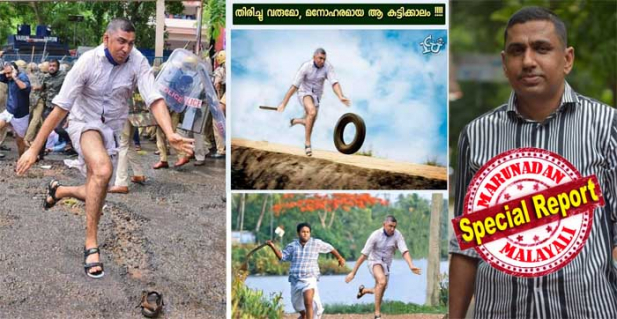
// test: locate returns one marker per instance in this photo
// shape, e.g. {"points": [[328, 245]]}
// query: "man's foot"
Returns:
{"points": [[291, 122], [199, 163], [92, 265], [182, 161], [50, 198], [118, 190], [161, 164], [308, 150], [2, 155], [4, 148], [138, 148], [138, 179], [217, 155], [360, 292], [70, 152], [378, 316]]}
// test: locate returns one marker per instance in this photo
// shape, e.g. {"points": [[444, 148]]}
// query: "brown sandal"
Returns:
{"points": [[151, 303], [51, 192]]}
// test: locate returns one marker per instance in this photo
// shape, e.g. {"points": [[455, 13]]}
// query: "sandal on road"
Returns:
{"points": [[151, 303], [308, 150], [51, 194], [360, 292], [88, 266]]}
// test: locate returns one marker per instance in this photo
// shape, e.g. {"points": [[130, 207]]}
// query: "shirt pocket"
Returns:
{"points": [[122, 88]]}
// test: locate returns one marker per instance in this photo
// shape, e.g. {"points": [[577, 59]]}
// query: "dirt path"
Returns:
{"points": [[168, 235], [262, 165]]}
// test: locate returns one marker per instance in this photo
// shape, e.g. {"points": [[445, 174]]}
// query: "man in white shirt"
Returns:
{"points": [[309, 82], [95, 92], [379, 250]]}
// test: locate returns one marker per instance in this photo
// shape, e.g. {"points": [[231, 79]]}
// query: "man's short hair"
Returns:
{"points": [[319, 51], [537, 14], [120, 24], [302, 225], [390, 219], [55, 61]]}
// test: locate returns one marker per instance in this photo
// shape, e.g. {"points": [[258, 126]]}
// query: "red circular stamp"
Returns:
{"points": [[528, 212]]}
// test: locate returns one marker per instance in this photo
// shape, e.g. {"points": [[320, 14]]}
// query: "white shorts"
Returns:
{"points": [[110, 140], [384, 265], [315, 98], [20, 126], [297, 296]]}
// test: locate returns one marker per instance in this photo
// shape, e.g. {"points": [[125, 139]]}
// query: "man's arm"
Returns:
{"points": [[29, 157], [462, 281], [336, 87], [288, 96], [414, 269], [341, 260], [277, 252], [353, 272]]}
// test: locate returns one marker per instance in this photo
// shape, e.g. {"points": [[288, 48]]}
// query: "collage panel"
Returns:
{"points": [[342, 253], [98, 100], [533, 120], [339, 109]]}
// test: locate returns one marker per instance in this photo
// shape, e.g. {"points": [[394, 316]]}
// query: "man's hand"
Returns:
{"points": [[345, 101], [350, 277], [26, 161], [181, 144], [341, 262], [270, 243], [281, 108], [14, 74], [415, 270]]}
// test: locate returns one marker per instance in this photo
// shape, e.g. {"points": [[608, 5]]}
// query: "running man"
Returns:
{"points": [[96, 93], [379, 250], [304, 270], [17, 113], [309, 84]]}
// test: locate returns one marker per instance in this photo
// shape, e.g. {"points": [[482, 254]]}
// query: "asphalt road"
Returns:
{"points": [[168, 236]]}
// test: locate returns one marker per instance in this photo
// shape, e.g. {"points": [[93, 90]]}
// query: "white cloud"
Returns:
{"points": [[400, 93]]}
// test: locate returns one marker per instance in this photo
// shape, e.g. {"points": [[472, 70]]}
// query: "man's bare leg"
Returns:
{"points": [[381, 282], [21, 145], [99, 171], [308, 303], [311, 116]]}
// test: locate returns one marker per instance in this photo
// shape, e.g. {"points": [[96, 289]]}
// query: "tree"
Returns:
{"points": [[325, 205], [432, 273]]}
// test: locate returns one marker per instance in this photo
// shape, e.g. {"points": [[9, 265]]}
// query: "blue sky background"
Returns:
{"points": [[398, 91]]}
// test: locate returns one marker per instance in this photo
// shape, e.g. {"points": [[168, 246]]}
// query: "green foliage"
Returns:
{"points": [[478, 27], [214, 17], [444, 289], [349, 230], [248, 303], [387, 307], [96, 17], [264, 262]]}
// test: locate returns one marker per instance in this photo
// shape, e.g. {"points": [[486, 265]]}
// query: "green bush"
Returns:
{"points": [[249, 304], [387, 307]]}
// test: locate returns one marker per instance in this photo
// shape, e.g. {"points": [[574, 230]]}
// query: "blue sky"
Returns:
{"points": [[398, 91]]}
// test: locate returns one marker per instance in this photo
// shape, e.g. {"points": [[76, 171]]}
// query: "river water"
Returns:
{"points": [[402, 286]]}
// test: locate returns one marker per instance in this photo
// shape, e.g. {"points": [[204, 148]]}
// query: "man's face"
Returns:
{"points": [[535, 61], [8, 70], [389, 227], [319, 59], [53, 68], [304, 234], [119, 44]]}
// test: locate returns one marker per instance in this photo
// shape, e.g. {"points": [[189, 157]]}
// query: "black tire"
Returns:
{"points": [[339, 129]]}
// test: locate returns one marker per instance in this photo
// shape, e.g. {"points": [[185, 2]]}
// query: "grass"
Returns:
{"points": [[387, 307], [248, 303]]}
